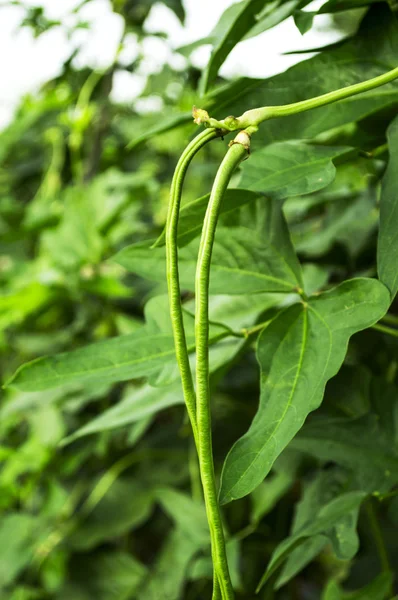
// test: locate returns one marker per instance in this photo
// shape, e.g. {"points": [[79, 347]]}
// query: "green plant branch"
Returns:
{"points": [[391, 319], [387, 496], [378, 536], [253, 118], [255, 329], [249, 331], [384, 329], [379, 151], [236, 153]]}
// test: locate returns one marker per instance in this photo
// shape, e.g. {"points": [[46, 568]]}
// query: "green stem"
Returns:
{"points": [[387, 496], [252, 118], [384, 329], [172, 271], [234, 156], [250, 330], [378, 537], [379, 151], [391, 319]]}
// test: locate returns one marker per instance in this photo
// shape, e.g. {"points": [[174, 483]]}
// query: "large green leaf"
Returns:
{"points": [[192, 214], [270, 223], [366, 445], [291, 168], [126, 357], [371, 52], [236, 21], [241, 21], [326, 486], [298, 353], [242, 262], [139, 354], [387, 248], [274, 13], [137, 404], [147, 352], [336, 520]]}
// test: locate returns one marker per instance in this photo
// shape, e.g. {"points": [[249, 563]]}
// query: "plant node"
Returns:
{"points": [[243, 138]]}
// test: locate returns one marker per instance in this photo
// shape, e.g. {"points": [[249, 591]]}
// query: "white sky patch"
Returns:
{"points": [[127, 86], [100, 43]]}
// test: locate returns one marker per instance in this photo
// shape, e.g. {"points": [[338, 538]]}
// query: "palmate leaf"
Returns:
{"points": [[341, 514], [242, 262], [289, 169], [298, 353], [387, 248]]}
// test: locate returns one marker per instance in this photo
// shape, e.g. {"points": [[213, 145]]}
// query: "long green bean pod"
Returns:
{"points": [[173, 282], [236, 153], [174, 290]]}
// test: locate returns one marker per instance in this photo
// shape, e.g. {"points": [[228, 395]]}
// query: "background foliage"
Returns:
{"points": [[100, 492]]}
